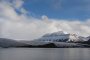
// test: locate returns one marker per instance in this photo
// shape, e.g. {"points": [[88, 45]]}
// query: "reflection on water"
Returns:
{"points": [[45, 54]]}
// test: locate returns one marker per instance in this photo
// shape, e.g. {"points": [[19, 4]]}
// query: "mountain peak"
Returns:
{"points": [[54, 34]]}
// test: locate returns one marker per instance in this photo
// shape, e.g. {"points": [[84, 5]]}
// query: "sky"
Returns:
{"points": [[30, 19], [59, 9]]}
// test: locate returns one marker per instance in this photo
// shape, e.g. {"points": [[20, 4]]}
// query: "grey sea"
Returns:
{"points": [[44, 53]]}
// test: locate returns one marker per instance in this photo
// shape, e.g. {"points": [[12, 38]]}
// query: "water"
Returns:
{"points": [[45, 54]]}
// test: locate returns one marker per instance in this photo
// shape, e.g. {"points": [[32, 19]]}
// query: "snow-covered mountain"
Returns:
{"points": [[60, 36]]}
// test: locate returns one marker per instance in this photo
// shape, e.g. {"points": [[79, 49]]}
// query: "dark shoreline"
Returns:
{"points": [[50, 45]]}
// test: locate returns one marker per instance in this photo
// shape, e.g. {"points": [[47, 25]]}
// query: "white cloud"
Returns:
{"points": [[15, 26]]}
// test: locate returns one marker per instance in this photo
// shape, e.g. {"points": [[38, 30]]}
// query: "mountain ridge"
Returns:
{"points": [[56, 39]]}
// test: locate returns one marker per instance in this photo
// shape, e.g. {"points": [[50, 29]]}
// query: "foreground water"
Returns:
{"points": [[45, 54]]}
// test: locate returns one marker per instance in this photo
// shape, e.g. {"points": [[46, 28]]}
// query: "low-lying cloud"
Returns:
{"points": [[23, 27]]}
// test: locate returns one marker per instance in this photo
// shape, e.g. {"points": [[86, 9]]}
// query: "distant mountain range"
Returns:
{"points": [[51, 40], [10, 43]]}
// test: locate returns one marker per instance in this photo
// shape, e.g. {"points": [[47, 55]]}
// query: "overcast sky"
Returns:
{"points": [[30, 19]]}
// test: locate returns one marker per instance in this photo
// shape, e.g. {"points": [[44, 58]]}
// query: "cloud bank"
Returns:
{"points": [[22, 27]]}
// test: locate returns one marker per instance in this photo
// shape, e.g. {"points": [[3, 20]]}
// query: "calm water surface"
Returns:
{"points": [[45, 54]]}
